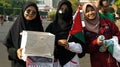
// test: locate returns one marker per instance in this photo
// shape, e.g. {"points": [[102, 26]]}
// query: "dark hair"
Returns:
{"points": [[101, 2], [27, 4]]}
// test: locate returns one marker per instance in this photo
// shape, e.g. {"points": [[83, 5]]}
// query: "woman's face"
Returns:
{"points": [[30, 13], [105, 3], [90, 12], [105, 7]]}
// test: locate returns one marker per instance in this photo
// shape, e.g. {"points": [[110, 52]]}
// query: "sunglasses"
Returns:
{"points": [[30, 12]]}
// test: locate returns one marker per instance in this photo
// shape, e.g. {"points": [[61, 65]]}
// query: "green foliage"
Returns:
{"points": [[51, 15], [118, 10], [11, 7], [1, 10], [5, 3], [8, 11], [75, 4], [16, 11], [117, 2], [111, 10], [31, 0]]}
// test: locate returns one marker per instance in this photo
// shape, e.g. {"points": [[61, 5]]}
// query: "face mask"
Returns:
{"points": [[63, 14], [65, 11]]}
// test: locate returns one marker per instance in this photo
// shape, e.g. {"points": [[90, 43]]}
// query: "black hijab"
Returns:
{"points": [[13, 38], [60, 28], [34, 24], [63, 23]]}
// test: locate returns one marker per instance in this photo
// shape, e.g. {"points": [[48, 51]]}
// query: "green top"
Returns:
{"points": [[107, 15]]}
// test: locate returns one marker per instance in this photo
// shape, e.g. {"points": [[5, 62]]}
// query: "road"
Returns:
{"points": [[3, 52], [4, 62]]}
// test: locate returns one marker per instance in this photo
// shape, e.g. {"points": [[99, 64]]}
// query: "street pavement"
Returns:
{"points": [[4, 62], [3, 51]]}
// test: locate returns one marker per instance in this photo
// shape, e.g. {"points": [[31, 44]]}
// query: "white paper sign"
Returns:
{"points": [[37, 44]]}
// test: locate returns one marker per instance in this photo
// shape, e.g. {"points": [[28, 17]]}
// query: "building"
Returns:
{"points": [[55, 3], [47, 5], [44, 5], [109, 1], [85, 1]]}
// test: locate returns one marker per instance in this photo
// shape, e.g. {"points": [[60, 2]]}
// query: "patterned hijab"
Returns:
{"points": [[91, 25]]}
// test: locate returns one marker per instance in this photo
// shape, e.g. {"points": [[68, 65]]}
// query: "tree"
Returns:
{"points": [[5, 3], [75, 4], [117, 2]]}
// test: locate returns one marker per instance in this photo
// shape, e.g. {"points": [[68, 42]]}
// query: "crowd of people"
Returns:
{"points": [[67, 52]]}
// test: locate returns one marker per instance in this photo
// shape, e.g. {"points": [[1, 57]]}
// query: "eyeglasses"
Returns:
{"points": [[30, 12]]}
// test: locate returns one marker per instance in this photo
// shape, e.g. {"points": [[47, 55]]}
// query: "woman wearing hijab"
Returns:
{"points": [[28, 19], [65, 50], [94, 28]]}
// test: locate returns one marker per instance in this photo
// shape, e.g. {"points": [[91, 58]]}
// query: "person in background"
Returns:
{"points": [[112, 11], [29, 20], [96, 26], [67, 51], [104, 10]]}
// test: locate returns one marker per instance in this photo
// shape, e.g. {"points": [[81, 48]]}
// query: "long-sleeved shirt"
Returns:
{"points": [[101, 59]]}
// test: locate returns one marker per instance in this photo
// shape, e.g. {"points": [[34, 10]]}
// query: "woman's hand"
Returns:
{"points": [[99, 42], [19, 53], [63, 42], [21, 33]]}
